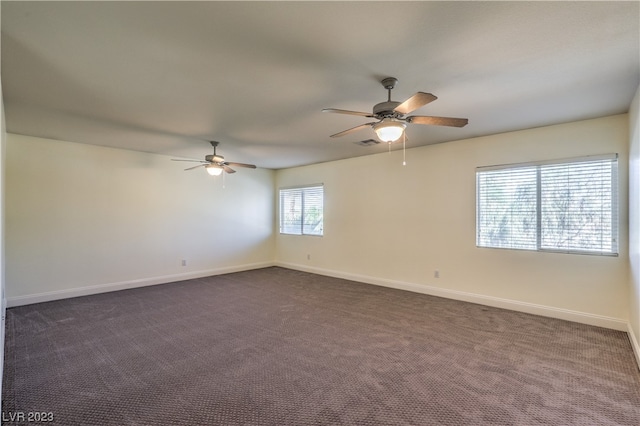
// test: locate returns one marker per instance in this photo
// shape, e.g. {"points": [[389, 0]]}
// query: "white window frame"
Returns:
{"points": [[538, 168], [305, 191]]}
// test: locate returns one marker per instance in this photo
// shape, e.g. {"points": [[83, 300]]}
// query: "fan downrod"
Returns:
{"points": [[386, 109]]}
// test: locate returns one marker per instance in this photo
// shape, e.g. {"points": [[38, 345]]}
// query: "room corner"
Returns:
{"points": [[634, 224]]}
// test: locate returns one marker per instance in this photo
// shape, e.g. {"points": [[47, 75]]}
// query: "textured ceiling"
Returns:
{"points": [[165, 77]]}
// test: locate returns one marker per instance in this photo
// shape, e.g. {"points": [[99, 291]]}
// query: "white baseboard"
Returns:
{"points": [[634, 344], [496, 302], [123, 285]]}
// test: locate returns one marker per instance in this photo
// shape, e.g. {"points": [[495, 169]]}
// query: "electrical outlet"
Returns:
{"points": [[308, 257], [436, 274], [184, 262]]}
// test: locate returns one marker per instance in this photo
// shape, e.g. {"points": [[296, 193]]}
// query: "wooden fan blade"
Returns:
{"points": [[344, 111], [353, 129], [228, 169], [231, 163], [416, 101], [438, 121], [195, 167]]}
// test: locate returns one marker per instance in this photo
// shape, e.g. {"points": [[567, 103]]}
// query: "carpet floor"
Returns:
{"points": [[280, 347]]}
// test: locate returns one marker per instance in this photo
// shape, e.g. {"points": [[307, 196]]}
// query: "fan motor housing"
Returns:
{"points": [[385, 109]]}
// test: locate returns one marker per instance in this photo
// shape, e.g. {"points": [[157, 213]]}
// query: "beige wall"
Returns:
{"points": [[634, 223], [394, 225], [82, 219]]}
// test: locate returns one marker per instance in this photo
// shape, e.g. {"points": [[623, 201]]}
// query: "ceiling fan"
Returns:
{"points": [[215, 164], [392, 117]]}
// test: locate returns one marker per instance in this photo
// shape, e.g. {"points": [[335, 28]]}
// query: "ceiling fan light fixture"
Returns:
{"points": [[389, 130], [213, 169]]}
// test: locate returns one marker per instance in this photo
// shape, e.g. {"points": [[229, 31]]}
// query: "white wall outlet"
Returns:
{"points": [[436, 274], [308, 257], [184, 262]]}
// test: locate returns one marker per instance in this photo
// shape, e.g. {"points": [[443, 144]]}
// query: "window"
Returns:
{"points": [[301, 210], [569, 206]]}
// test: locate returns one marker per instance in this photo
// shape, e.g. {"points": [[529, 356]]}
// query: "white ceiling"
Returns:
{"points": [[165, 77]]}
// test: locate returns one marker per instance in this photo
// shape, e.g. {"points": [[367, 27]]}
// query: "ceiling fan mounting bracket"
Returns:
{"points": [[389, 82]]}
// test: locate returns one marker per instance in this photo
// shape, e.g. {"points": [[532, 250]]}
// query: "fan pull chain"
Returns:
{"points": [[223, 179], [404, 155]]}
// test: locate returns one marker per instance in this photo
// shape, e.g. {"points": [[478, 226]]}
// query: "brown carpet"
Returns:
{"points": [[281, 347]]}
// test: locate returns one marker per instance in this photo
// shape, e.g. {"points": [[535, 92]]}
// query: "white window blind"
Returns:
{"points": [[569, 206], [301, 210]]}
